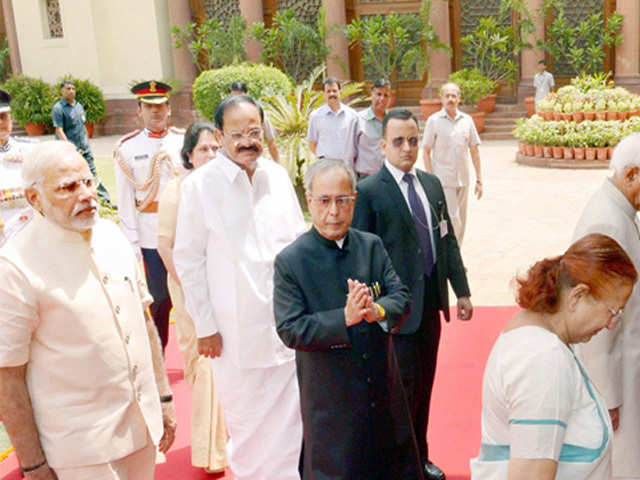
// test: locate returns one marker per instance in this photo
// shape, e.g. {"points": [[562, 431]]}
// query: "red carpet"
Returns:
{"points": [[454, 433]]}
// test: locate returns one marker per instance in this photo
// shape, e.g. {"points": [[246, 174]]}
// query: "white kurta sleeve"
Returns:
{"points": [[190, 259], [540, 390], [126, 203], [602, 355]]}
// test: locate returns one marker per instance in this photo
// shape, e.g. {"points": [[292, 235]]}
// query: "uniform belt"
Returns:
{"points": [[151, 208]]}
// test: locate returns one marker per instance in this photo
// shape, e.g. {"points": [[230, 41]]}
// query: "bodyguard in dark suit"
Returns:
{"points": [[406, 208], [335, 297]]}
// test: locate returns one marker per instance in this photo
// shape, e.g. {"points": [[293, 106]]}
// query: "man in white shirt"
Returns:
{"points": [[449, 137], [236, 213], [83, 391], [543, 81], [335, 128]]}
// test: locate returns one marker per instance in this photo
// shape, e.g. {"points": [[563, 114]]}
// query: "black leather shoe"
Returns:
{"points": [[432, 472]]}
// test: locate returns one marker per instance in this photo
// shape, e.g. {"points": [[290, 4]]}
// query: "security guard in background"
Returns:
{"points": [[145, 160]]}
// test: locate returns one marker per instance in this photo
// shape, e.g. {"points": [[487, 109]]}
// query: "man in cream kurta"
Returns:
{"points": [[79, 384], [449, 137], [236, 213], [612, 357]]}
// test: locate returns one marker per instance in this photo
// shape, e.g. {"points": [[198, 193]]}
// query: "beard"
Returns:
{"points": [[73, 222]]}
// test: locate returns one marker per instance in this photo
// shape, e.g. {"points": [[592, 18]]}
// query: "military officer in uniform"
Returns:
{"points": [[14, 210], [145, 160]]}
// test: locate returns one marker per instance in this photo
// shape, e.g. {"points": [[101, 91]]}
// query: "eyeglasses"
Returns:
{"points": [[616, 315], [399, 141], [71, 187], [341, 201], [252, 134]]}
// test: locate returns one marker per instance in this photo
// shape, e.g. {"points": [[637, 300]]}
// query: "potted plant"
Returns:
{"points": [[31, 102], [589, 110], [557, 111], [545, 109], [577, 114], [601, 109], [612, 110]]}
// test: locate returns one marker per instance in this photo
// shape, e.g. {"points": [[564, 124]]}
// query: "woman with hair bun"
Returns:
{"points": [[542, 418]]}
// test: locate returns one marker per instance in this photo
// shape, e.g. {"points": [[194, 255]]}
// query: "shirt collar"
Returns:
{"points": [[230, 169], [443, 113], [396, 173], [329, 111], [56, 232], [369, 114], [618, 197], [331, 243]]}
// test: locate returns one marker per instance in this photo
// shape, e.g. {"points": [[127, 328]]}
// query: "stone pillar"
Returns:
{"points": [[183, 67], [12, 37], [628, 52], [440, 67], [338, 58], [529, 58], [251, 11]]}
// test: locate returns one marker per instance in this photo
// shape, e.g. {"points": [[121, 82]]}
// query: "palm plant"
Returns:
{"points": [[289, 114]]}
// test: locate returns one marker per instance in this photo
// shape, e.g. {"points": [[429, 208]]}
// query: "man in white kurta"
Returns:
{"points": [[612, 357], [450, 136], [236, 213], [79, 385]]}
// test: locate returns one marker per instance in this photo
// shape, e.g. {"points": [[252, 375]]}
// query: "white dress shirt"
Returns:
{"points": [[229, 231]]}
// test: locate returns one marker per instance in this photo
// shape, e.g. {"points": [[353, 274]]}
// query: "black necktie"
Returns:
{"points": [[422, 226]]}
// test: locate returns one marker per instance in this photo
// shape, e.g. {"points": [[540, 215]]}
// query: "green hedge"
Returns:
{"points": [[211, 86], [31, 99]]}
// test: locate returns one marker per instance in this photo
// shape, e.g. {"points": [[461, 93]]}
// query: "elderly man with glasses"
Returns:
{"points": [[83, 391], [236, 213], [406, 207], [336, 297]]}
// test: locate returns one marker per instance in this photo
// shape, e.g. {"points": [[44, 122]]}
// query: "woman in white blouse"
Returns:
{"points": [[542, 418]]}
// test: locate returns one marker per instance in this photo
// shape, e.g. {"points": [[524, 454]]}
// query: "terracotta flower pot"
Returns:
{"points": [[623, 116], [547, 152], [590, 153], [35, 129], [529, 150], [567, 153], [590, 116], [547, 115], [429, 106], [478, 119], [89, 127], [578, 153], [537, 150], [521, 147], [612, 115], [557, 116], [557, 152], [601, 153], [567, 117], [601, 115], [488, 103], [530, 104], [609, 152], [577, 116]]}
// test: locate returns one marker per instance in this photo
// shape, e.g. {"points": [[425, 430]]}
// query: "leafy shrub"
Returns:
{"points": [[31, 99], [262, 81], [213, 43], [473, 85], [91, 98], [292, 45]]}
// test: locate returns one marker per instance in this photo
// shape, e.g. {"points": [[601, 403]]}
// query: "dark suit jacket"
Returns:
{"points": [[349, 387], [381, 209]]}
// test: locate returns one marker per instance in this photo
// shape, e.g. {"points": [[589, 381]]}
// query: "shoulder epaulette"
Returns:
{"points": [[177, 130], [127, 136]]}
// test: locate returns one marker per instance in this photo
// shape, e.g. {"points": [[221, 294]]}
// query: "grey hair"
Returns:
{"points": [[448, 85], [323, 165], [626, 154], [41, 158]]}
